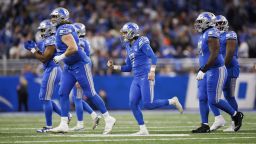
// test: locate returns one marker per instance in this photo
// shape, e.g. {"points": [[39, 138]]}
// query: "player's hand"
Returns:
{"points": [[58, 58], [78, 85], [151, 75], [29, 45], [200, 75], [110, 64]]}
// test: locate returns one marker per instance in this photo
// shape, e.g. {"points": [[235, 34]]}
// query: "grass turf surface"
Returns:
{"points": [[164, 126]]}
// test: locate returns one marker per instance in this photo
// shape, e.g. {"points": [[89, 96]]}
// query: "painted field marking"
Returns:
{"points": [[115, 140]]}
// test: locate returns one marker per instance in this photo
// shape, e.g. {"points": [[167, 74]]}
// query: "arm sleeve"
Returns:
{"points": [[128, 66], [146, 48]]}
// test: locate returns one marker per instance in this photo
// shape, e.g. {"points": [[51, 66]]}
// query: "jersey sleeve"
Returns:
{"points": [[213, 33], [50, 41], [88, 51], [231, 35], [128, 66], [142, 41], [146, 48], [65, 31]]}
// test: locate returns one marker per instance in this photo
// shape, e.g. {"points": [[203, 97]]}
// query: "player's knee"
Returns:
{"points": [[213, 102], [202, 100], [148, 105]]}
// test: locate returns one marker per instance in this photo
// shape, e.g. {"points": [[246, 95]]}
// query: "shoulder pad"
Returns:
{"points": [[213, 33], [231, 35], [49, 41], [143, 40], [65, 30]]}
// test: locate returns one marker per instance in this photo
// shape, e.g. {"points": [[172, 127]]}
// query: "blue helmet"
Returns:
{"points": [[58, 15], [129, 31], [221, 23], [46, 28], [80, 29], [204, 20]]}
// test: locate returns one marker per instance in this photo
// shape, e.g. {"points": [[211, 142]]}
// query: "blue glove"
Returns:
{"points": [[29, 45]]}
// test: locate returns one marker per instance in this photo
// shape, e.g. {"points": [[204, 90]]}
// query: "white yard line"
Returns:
{"points": [[125, 139], [100, 135]]}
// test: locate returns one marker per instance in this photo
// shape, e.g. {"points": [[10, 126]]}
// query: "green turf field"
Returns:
{"points": [[164, 127]]}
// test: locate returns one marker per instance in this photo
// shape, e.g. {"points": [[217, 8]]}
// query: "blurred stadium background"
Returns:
{"points": [[167, 23], [169, 26]]}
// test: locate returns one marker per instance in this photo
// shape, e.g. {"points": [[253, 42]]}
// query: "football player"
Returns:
{"points": [[212, 74], [139, 55], [44, 51], [77, 92], [76, 69], [229, 50]]}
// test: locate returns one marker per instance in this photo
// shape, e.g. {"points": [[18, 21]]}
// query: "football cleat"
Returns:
{"points": [[175, 101], [230, 128], [238, 118], [109, 123], [78, 127], [69, 117], [62, 128], [43, 130], [218, 123], [203, 129], [141, 132], [96, 122]]}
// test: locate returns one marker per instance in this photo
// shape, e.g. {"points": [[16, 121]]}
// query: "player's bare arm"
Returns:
{"points": [[214, 48], [70, 42], [71, 47], [230, 50], [47, 55]]}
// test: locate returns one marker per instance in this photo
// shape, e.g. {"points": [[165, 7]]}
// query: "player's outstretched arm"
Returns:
{"points": [[125, 68], [230, 50]]}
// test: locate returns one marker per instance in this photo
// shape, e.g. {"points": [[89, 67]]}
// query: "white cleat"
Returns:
{"points": [[143, 132], [77, 128], [230, 128], [96, 122], [175, 101], [109, 123], [62, 128], [218, 123]]}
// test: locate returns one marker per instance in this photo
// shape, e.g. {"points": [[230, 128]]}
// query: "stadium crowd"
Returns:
{"points": [[167, 23]]}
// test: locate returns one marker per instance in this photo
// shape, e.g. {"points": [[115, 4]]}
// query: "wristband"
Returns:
{"points": [[62, 56], [117, 67], [33, 50], [153, 69]]}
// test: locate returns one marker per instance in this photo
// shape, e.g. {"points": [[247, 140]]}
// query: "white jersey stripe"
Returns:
{"points": [[50, 84]]}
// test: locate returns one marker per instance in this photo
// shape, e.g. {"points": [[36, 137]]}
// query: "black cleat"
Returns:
{"points": [[43, 130], [96, 122], [203, 129], [238, 118]]}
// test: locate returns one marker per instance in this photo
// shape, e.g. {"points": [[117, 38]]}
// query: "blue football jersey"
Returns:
{"points": [[223, 42], [140, 62], [49, 41], [85, 45], [80, 55], [204, 52]]}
